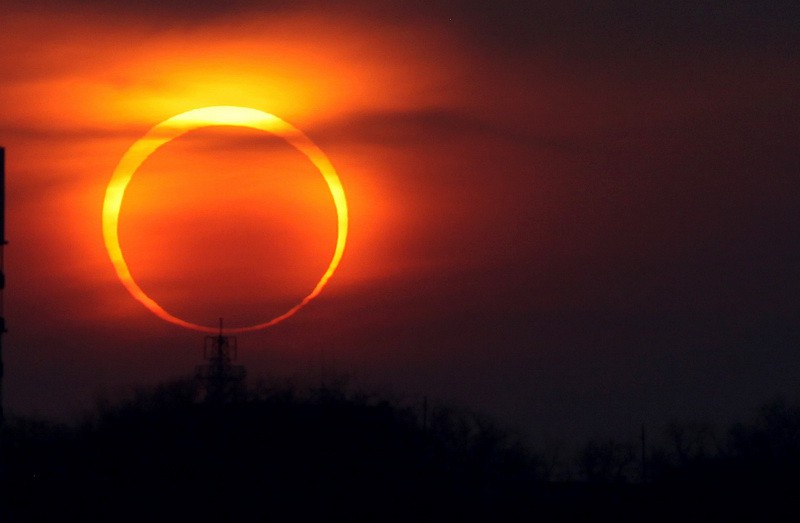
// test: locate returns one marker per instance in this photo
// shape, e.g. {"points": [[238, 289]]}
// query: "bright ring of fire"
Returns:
{"points": [[174, 127]]}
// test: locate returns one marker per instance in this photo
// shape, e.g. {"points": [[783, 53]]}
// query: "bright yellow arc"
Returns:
{"points": [[174, 127]]}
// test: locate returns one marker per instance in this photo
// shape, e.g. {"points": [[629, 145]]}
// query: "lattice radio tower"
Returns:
{"points": [[222, 381]]}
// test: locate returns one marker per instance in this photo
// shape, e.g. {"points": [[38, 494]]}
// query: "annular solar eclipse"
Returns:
{"points": [[180, 124]]}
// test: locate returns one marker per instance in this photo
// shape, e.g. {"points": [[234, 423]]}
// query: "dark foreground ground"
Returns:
{"points": [[329, 455]]}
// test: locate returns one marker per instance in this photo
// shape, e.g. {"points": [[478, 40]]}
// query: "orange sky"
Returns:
{"points": [[80, 119], [551, 207], [212, 226]]}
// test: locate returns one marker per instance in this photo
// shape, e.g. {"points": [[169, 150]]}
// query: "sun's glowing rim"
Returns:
{"points": [[174, 127]]}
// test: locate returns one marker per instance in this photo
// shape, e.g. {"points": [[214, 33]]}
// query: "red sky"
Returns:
{"points": [[576, 219]]}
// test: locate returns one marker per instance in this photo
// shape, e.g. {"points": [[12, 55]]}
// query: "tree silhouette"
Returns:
{"points": [[322, 453], [331, 453], [607, 461]]}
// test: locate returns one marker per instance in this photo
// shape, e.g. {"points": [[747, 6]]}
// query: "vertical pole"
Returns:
{"points": [[218, 368], [2, 270], [425, 417], [644, 457]]}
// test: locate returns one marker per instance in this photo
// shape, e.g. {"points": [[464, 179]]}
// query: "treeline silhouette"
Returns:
{"points": [[330, 453]]}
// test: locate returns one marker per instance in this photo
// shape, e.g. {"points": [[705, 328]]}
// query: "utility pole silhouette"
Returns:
{"points": [[221, 381], [644, 456], [2, 270]]}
